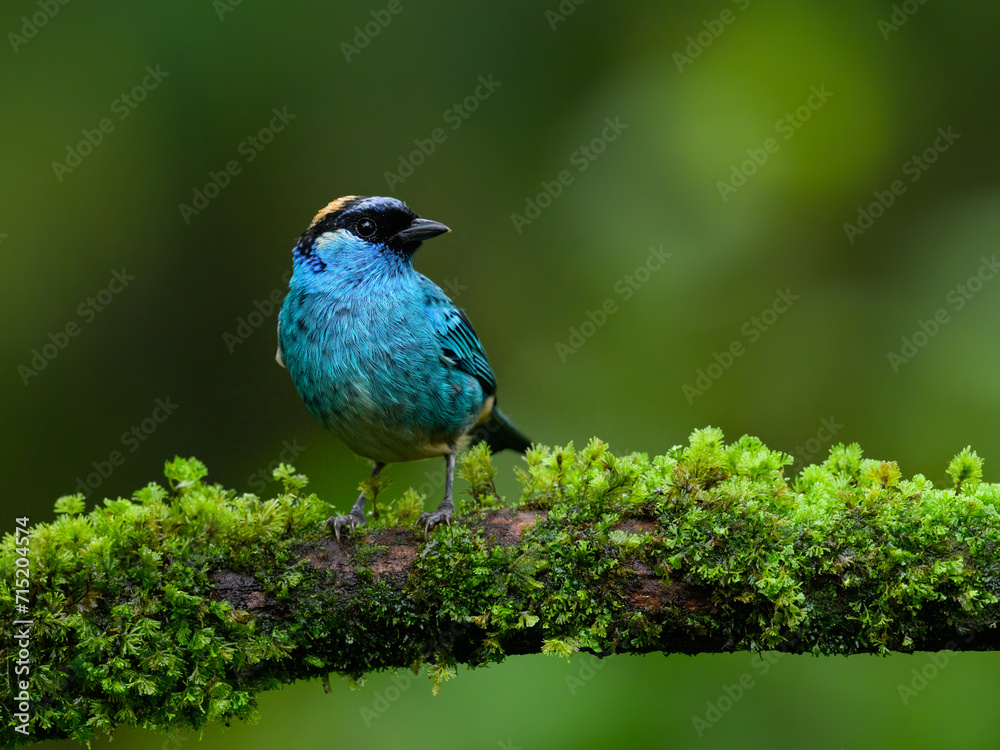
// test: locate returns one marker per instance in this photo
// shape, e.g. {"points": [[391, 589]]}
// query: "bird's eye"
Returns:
{"points": [[365, 228]]}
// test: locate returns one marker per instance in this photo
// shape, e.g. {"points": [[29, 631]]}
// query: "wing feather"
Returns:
{"points": [[460, 346]]}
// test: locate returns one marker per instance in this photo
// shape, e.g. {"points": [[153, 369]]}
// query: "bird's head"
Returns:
{"points": [[366, 224]]}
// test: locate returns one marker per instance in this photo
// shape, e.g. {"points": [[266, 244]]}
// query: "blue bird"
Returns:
{"points": [[378, 353]]}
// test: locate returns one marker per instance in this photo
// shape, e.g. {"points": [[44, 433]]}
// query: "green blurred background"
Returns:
{"points": [[561, 70]]}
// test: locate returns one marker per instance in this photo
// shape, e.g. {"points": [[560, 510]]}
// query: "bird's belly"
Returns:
{"points": [[375, 376], [401, 405]]}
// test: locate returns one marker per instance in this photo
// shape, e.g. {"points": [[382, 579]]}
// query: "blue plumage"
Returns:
{"points": [[378, 352]]}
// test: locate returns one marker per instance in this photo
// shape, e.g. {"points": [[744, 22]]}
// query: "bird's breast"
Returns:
{"points": [[367, 364]]}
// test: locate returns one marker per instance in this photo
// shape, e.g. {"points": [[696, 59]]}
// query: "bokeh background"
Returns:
{"points": [[696, 85]]}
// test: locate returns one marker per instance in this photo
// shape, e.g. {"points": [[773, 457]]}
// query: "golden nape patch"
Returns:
{"points": [[332, 207]]}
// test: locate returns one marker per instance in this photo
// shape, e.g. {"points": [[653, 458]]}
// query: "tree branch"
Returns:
{"points": [[177, 606]]}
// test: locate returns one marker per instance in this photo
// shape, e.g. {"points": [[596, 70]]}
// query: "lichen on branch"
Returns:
{"points": [[177, 606]]}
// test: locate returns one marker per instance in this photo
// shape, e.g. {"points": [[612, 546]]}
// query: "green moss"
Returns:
{"points": [[705, 548], [125, 627]]}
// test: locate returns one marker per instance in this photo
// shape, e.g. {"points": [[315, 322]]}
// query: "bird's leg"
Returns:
{"points": [[447, 507], [357, 515]]}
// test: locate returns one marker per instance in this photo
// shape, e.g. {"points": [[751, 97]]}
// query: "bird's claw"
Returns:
{"points": [[338, 522], [430, 520]]}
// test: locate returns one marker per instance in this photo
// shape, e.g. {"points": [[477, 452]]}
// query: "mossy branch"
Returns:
{"points": [[177, 606]]}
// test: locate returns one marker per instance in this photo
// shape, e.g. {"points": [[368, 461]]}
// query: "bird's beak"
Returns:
{"points": [[420, 230]]}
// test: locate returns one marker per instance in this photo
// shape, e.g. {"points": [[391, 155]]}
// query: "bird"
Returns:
{"points": [[379, 354]]}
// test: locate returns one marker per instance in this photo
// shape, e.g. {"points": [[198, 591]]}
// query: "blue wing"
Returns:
{"points": [[459, 343]]}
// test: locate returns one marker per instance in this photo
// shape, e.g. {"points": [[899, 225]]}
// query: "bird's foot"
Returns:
{"points": [[352, 519], [430, 520]]}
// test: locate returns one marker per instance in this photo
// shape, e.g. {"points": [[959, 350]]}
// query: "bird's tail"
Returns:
{"points": [[500, 434]]}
